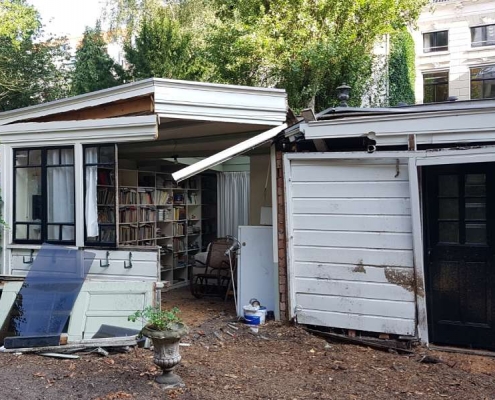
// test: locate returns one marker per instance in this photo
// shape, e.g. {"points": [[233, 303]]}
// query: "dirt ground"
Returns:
{"points": [[280, 362]]}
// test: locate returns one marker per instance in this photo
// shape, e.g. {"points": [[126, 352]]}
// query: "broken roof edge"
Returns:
{"points": [[227, 154], [127, 91]]}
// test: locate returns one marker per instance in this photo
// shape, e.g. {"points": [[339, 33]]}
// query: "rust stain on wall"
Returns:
{"points": [[360, 267], [401, 278]]}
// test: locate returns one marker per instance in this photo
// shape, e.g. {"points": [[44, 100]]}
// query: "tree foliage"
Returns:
{"points": [[401, 69], [162, 49], [31, 69], [308, 47], [94, 69]]}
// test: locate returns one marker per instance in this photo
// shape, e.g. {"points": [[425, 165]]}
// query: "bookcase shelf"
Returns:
{"points": [[154, 211]]}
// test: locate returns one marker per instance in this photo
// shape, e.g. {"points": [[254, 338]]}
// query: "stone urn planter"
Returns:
{"points": [[166, 352], [165, 329]]}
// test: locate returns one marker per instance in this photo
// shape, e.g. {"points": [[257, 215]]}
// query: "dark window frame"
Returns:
{"points": [[435, 39], [482, 80], [446, 82], [114, 164], [44, 196], [484, 36]]}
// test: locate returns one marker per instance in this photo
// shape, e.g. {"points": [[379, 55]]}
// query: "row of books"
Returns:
{"points": [[146, 232], [179, 213], [179, 229], [147, 214], [106, 215], [128, 196], [105, 196], [164, 214], [127, 233], [146, 196], [128, 214], [163, 197]]}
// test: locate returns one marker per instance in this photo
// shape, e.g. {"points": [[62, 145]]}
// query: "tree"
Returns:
{"points": [[94, 69], [162, 49], [402, 71], [31, 69], [308, 47]]}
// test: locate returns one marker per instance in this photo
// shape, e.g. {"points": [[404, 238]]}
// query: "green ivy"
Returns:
{"points": [[401, 69], [156, 318]]}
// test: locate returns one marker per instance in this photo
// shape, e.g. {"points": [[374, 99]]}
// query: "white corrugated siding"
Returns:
{"points": [[351, 256]]}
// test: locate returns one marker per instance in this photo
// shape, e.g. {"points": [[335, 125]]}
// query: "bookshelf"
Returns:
{"points": [[155, 211]]}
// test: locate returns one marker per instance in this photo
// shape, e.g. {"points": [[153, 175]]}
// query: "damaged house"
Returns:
{"points": [[385, 221], [93, 173]]}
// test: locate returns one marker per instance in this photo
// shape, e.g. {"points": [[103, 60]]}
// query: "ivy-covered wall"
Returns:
{"points": [[401, 69]]}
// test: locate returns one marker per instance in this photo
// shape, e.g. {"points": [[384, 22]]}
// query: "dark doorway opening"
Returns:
{"points": [[459, 207]]}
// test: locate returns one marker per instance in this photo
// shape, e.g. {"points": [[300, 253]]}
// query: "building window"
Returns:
{"points": [[483, 36], [436, 41], [483, 82], [44, 195], [435, 87], [100, 184]]}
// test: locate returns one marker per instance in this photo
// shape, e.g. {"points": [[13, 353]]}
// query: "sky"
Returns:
{"points": [[68, 17]]}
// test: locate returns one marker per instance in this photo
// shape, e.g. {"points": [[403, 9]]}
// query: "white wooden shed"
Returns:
{"points": [[386, 221], [93, 172]]}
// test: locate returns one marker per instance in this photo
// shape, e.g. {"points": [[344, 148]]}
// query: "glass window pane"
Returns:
{"points": [[448, 185], [67, 157], [476, 209], [476, 90], [490, 35], [28, 206], [476, 233], [53, 232], [475, 185], [91, 155], [107, 234], [476, 36], [448, 208], [21, 232], [34, 157], [429, 94], [442, 40], [52, 157], [60, 194], [448, 232], [489, 89], [107, 154], [441, 92], [21, 158], [34, 232], [427, 42]]}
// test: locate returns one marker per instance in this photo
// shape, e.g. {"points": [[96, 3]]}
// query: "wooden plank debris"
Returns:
{"points": [[78, 345], [378, 344]]}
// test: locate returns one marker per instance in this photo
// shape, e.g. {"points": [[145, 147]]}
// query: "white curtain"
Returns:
{"points": [[233, 202], [91, 201], [60, 194]]}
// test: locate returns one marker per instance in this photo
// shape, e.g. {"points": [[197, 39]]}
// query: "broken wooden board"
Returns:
{"points": [[78, 345], [378, 344]]}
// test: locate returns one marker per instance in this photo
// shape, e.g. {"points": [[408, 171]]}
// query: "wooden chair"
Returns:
{"points": [[216, 276]]}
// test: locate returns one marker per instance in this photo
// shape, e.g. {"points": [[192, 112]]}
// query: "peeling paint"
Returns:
{"points": [[360, 267], [401, 278]]}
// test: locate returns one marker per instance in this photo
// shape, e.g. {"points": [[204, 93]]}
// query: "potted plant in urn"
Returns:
{"points": [[165, 329]]}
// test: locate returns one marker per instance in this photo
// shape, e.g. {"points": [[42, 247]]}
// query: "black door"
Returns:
{"points": [[459, 250]]}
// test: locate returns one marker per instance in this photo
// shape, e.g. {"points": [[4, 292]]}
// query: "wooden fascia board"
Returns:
{"points": [[89, 100], [453, 123], [123, 129], [223, 103], [135, 106]]}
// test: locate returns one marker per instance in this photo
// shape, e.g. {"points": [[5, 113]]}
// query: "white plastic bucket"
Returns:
{"points": [[254, 315]]}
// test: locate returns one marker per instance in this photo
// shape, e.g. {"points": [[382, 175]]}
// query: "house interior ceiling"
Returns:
{"points": [[191, 138]]}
